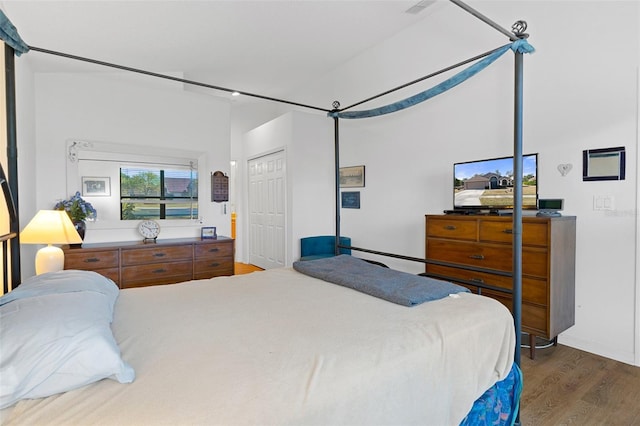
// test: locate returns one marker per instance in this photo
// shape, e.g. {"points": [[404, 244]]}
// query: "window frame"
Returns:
{"points": [[162, 200]]}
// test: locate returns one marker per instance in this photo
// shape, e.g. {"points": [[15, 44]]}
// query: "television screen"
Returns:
{"points": [[488, 184]]}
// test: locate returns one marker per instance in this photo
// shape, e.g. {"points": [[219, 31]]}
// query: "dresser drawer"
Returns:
{"points": [[214, 267], [112, 273], [533, 233], [156, 273], [489, 256], [140, 256], [534, 320], [533, 290], [213, 250], [534, 317], [459, 229], [90, 260], [471, 254]]}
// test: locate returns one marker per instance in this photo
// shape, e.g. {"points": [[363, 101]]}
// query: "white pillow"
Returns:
{"points": [[55, 336]]}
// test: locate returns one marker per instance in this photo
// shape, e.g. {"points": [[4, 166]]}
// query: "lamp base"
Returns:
{"points": [[49, 259]]}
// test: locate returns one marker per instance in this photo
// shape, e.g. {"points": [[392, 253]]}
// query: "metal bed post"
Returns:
{"points": [[519, 27], [336, 149], [12, 164], [5, 273], [518, 33], [517, 211]]}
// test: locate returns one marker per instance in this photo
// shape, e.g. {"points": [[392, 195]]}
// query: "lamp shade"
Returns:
{"points": [[50, 227]]}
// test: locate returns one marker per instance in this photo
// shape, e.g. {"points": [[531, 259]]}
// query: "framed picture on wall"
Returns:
{"points": [[219, 187], [350, 199], [352, 177], [603, 164], [96, 186]]}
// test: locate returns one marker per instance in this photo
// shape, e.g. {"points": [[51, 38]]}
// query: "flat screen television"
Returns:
{"points": [[488, 184]]}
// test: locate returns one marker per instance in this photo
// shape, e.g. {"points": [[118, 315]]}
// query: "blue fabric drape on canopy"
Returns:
{"points": [[10, 35], [520, 46]]}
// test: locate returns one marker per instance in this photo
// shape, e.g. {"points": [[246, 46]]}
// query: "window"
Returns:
{"points": [[154, 193]]}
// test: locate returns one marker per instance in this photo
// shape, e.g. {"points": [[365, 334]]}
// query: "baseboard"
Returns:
{"points": [[594, 348]]}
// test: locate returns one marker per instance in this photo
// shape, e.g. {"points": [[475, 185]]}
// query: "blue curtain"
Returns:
{"points": [[10, 35], [520, 46]]}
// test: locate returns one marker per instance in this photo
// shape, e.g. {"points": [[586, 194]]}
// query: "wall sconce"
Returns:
{"points": [[50, 227]]}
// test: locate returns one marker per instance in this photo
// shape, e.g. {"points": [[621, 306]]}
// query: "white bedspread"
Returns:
{"points": [[280, 348]]}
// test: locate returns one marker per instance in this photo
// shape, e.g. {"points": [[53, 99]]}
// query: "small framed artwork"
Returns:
{"points": [[352, 177], [208, 233], [219, 187], [603, 164], [351, 199], [96, 186]]}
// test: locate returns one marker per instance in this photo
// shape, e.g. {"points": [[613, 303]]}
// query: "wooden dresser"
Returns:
{"points": [[138, 264], [476, 251]]}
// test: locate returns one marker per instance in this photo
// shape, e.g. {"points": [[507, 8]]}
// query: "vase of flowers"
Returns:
{"points": [[79, 211]]}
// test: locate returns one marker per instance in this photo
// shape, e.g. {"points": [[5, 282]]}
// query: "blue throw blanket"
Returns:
{"points": [[388, 284]]}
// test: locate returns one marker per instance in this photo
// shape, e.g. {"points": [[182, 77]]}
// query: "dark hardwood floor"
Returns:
{"points": [[566, 386]]}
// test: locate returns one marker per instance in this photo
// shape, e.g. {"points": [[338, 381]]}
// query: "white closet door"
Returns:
{"points": [[267, 210]]}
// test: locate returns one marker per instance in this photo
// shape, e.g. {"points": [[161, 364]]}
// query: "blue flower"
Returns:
{"points": [[77, 208]]}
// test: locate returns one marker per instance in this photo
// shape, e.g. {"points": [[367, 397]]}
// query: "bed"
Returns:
{"points": [[275, 347]]}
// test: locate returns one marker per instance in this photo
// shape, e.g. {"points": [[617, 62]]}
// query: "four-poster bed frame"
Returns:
{"points": [[518, 34], [9, 185]]}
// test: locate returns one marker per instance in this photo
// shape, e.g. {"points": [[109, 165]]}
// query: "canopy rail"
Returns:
{"points": [[168, 77], [426, 77], [440, 263], [486, 20], [520, 45]]}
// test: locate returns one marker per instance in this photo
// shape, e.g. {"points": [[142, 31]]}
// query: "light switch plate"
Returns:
{"points": [[603, 202]]}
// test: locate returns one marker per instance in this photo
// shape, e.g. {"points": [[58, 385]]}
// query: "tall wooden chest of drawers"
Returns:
{"points": [[477, 252], [136, 264]]}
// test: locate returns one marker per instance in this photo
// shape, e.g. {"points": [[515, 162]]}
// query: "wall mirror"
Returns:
{"points": [[98, 170], [603, 164]]}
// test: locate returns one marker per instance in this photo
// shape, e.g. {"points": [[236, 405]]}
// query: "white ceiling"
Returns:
{"points": [[267, 47]]}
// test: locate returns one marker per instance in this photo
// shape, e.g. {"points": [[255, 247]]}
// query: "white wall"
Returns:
{"points": [[580, 93], [307, 140], [245, 116], [152, 115]]}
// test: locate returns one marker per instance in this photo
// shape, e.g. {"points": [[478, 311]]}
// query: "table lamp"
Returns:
{"points": [[50, 227]]}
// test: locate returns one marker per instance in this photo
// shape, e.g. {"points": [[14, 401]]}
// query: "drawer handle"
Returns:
{"points": [[159, 254], [508, 231], [477, 280], [477, 256], [159, 271], [92, 260], [214, 264], [213, 250], [450, 227]]}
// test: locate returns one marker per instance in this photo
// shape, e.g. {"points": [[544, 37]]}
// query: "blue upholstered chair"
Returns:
{"points": [[321, 246]]}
